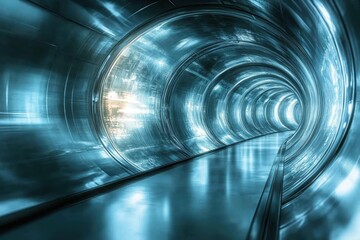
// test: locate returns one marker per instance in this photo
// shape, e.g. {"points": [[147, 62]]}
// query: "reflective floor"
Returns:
{"points": [[213, 196]]}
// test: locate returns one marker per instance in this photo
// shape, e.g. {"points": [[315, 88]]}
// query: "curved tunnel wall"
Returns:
{"points": [[98, 91], [183, 80]]}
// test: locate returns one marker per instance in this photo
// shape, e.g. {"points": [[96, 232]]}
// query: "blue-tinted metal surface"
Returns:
{"points": [[210, 197], [96, 91]]}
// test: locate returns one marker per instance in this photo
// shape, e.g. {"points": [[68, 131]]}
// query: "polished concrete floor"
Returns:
{"points": [[213, 196]]}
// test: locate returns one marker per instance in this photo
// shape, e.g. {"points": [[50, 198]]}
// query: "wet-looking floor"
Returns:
{"points": [[213, 196]]}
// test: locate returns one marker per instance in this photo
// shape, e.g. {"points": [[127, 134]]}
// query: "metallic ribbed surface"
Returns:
{"points": [[96, 91]]}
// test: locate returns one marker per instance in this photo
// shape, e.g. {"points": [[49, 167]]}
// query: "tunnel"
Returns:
{"points": [[179, 119]]}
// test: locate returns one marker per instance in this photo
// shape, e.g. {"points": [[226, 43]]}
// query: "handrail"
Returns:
{"points": [[266, 220]]}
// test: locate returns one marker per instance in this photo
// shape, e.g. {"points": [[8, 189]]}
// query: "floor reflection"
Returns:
{"points": [[213, 196]]}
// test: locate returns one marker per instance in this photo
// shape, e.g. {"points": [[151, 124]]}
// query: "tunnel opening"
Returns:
{"points": [[193, 81], [194, 88], [227, 76], [153, 83]]}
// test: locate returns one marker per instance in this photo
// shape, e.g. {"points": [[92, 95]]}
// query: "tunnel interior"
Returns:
{"points": [[98, 92]]}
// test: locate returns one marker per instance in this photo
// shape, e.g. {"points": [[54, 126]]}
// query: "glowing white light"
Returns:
{"points": [[348, 184], [326, 16], [290, 112], [186, 43], [136, 197], [133, 77], [333, 73], [248, 36], [131, 110], [276, 110], [204, 149], [334, 117], [160, 63], [217, 87], [350, 108], [111, 7], [257, 3], [130, 98], [113, 95], [199, 131], [100, 25], [222, 117]]}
